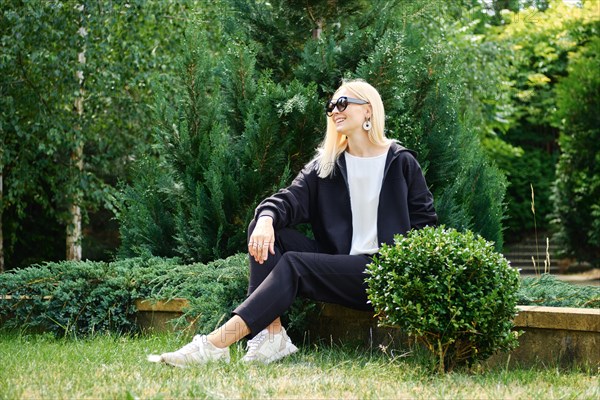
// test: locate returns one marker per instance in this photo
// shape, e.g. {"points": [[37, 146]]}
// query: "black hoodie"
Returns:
{"points": [[405, 202]]}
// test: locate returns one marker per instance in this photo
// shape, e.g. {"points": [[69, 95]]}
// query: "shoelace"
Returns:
{"points": [[253, 343], [193, 345]]}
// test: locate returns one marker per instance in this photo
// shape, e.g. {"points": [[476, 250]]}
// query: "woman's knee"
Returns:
{"points": [[296, 261]]}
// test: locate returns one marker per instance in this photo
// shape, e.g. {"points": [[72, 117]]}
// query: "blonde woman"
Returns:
{"points": [[358, 192]]}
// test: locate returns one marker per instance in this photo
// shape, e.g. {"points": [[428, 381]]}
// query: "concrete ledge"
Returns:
{"points": [[174, 305], [157, 316], [557, 336], [572, 319], [551, 335]]}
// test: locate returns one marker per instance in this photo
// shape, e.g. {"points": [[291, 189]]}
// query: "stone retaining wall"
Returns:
{"points": [[557, 335], [156, 316], [551, 335]]}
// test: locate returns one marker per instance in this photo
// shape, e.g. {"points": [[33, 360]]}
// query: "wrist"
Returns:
{"points": [[265, 219]]}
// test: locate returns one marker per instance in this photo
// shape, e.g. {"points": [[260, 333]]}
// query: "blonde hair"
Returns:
{"points": [[335, 143]]}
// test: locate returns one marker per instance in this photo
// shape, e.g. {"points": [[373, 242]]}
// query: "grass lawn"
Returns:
{"points": [[40, 367]]}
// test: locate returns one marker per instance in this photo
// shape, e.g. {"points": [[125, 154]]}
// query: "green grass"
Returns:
{"points": [[115, 367]]}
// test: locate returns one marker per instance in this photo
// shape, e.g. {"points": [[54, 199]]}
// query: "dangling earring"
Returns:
{"points": [[367, 124]]}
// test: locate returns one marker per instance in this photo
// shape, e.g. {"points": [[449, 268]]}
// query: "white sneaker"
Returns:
{"points": [[199, 351], [267, 348]]}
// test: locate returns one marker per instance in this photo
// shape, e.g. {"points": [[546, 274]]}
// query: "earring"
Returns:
{"points": [[367, 124]]}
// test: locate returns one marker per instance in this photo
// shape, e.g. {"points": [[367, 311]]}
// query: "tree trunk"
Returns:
{"points": [[74, 235], [316, 33]]}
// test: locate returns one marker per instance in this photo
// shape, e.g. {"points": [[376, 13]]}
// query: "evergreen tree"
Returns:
{"points": [[231, 137], [577, 185], [247, 120]]}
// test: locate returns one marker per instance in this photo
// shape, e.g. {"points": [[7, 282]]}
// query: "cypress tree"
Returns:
{"points": [[248, 119]]}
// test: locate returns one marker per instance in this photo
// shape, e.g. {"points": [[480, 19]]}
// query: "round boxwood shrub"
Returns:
{"points": [[449, 290]]}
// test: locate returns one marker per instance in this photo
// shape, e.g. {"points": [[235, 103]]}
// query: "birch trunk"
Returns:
{"points": [[74, 235]]}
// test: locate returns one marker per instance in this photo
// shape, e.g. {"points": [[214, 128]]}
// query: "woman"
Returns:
{"points": [[360, 190]]}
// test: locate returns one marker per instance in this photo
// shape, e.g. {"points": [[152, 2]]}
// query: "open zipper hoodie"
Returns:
{"points": [[405, 202]]}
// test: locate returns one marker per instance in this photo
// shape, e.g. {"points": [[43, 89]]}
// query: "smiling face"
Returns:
{"points": [[344, 128], [350, 120]]}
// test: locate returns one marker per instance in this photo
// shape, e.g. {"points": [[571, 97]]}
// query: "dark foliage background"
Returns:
{"points": [[246, 119]]}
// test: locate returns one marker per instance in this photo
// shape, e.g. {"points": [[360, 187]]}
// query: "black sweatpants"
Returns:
{"points": [[299, 269]]}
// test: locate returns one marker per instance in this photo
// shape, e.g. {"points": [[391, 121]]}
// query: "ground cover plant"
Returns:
{"points": [[109, 366], [548, 290], [82, 298]]}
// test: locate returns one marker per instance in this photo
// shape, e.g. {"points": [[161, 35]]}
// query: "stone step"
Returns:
{"points": [[527, 260], [528, 254], [520, 254], [527, 257], [531, 243], [532, 250], [530, 267], [533, 271], [530, 246], [539, 242]]}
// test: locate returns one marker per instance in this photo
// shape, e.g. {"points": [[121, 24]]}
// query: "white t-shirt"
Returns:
{"points": [[365, 177]]}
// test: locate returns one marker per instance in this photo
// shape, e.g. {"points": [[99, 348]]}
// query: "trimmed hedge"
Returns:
{"points": [[450, 290]]}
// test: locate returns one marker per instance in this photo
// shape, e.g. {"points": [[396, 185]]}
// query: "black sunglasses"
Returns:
{"points": [[341, 104]]}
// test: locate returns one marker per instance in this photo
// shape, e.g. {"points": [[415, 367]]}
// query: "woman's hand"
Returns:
{"points": [[262, 240]]}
